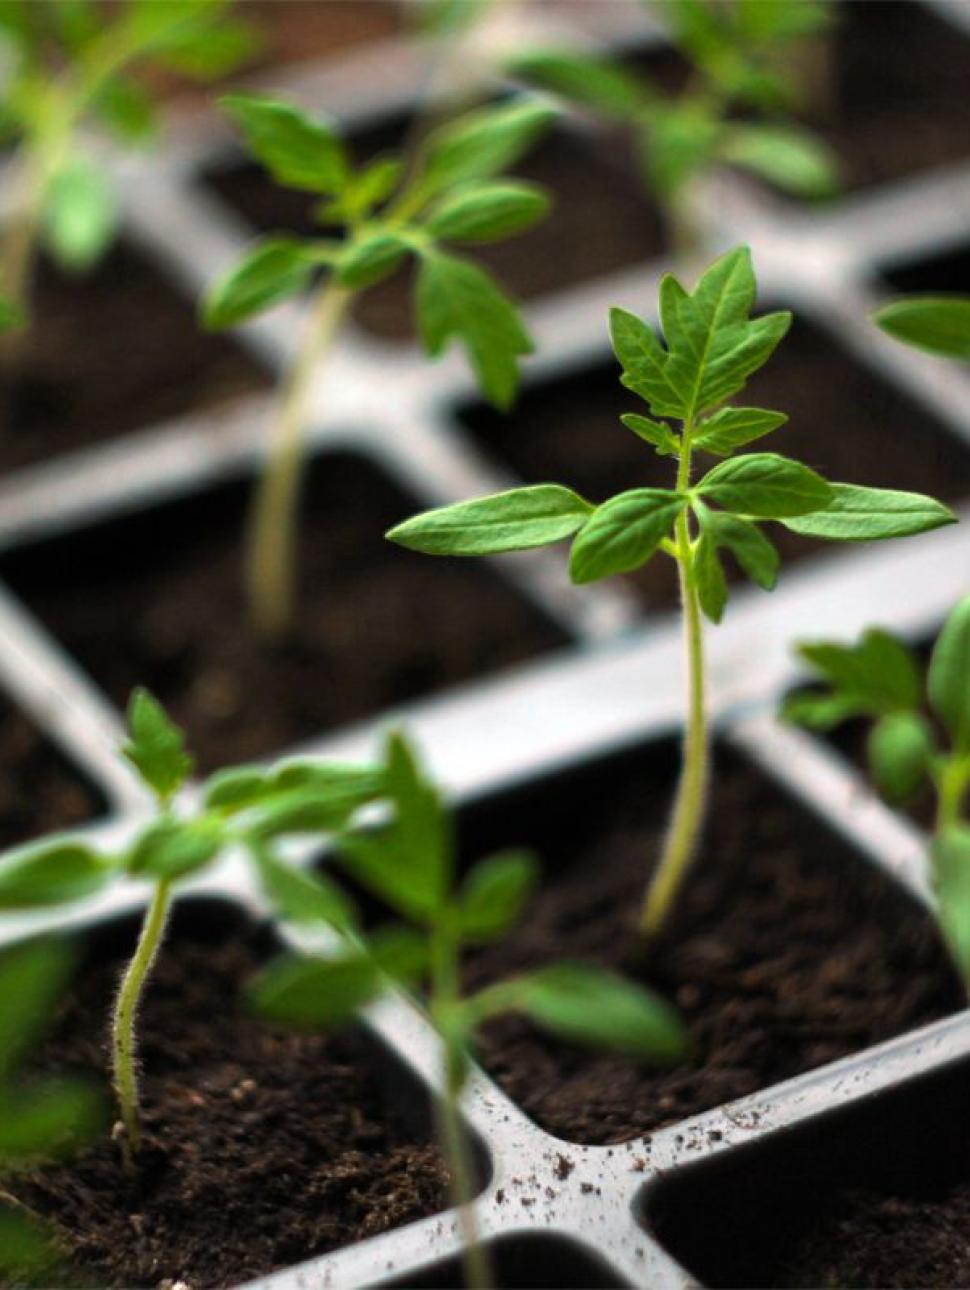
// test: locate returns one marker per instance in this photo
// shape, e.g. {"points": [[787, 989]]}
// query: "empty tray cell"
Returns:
{"points": [[40, 791], [155, 598], [527, 1262], [943, 272]]}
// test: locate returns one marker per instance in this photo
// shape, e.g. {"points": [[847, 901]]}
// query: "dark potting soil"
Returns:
{"points": [[156, 599], [262, 1147], [110, 352], [843, 421], [784, 953], [40, 791]]}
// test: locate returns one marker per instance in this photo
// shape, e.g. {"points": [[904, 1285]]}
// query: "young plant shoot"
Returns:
{"points": [[712, 347], [376, 217], [410, 864], [72, 64], [736, 108], [247, 808], [920, 736]]}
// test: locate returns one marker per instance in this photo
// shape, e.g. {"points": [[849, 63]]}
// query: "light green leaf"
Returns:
{"points": [[127, 110], [880, 674], [273, 270], [938, 324], [170, 848], [11, 315], [314, 993], [653, 432], [644, 362], [765, 485], [791, 158], [212, 51], [857, 514], [301, 896], [298, 151], [512, 521], [155, 745], [80, 215], [623, 533], [456, 300], [368, 188], [754, 553], [948, 680], [488, 212], [583, 78], [951, 863], [709, 579], [820, 712], [371, 259], [675, 142], [900, 753], [495, 893], [483, 143], [52, 873], [731, 428]]}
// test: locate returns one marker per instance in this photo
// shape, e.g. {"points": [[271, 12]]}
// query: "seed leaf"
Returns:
{"points": [[654, 432], [483, 143], [488, 212], [900, 753], [494, 894], [731, 428], [765, 485], [155, 745], [879, 674], [858, 514], [623, 533], [513, 521], [275, 269], [951, 863], [938, 324], [52, 873], [458, 300], [80, 215], [298, 152], [948, 681]]}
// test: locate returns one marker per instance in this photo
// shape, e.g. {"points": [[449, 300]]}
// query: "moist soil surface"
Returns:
{"points": [[156, 599], [39, 791], [109, 352], [843, 421], [262, 1148], [784, 952]]}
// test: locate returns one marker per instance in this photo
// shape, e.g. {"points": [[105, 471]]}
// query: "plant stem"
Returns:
{"points": [[123, 1042], [455, 1147], [271, 533], [688, 813]]}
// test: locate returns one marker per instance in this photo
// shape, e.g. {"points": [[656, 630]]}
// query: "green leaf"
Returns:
{"points": [[300, 896], [948, 681], [513, 521], [587, 1005], [28, 1250], [370, 260], [33, 975], [12, 316], [644, 362], [653, 432], [900, 754], [938, 324], [765, 485], [709, 579], [273, 270], [456, 300], [46, 1120], [345, 786], [731, 428], [820, 712], [857, 514], [311, 993], [80, 215], [951, 863], [300, 810], [495, 893], [298, 152], [676, 141], [368, 188], [155, 745], [754, 553], [170, 848], [488, 212], [127, 110], [623, 533], [583, 78], [483, 143], [52, 873], [790, 158], [880, 674], [210, 52]]}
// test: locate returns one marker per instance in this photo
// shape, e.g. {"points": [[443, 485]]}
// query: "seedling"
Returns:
{"points": [[39, 1119], [937, 324], [920, 736], [736, 108], [410, 863], [247, 808], [71, 64], [380, 215], [712, 347]]}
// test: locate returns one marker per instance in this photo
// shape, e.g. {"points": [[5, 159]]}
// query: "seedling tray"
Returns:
{"points": [[556, 1212]]}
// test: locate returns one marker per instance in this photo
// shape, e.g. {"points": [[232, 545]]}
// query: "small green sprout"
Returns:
{"points": [[249, 808], [378, 216], [937, 324], [39, 1120], [67, 65], [736, 108], [713, 346], [909, 747], [410, 863]]}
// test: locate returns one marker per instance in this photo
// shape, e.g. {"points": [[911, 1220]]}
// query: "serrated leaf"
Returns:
{"points": [[938, 324], [791, 158], [482, 143], [765, 485], [879, 674], [494, 895], [456, 300], [709, 579], [644, 361], [858, 514], [52, 873], [623, 533], [732, 428], [169, 849], [590, 1006], [488, 212], [79, 215], [653, 432], [754, 553], [370, 260], [948, 680], [155, 745], [301, 896], [583, 78], [900, 750], [512, 521], [950, 852], [273, 270], [298, 151]]}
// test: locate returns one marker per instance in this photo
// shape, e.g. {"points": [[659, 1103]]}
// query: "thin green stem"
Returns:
{"points": [[688, 814], [271, 533], [124, 1054]]}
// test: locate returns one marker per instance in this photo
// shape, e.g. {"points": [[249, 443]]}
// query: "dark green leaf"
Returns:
{"points": [[298, 152], [127, 110], [27, 1248], [765, 485], [820, 711], [949, 675], [623, 533], [951, 864], [583, 78], [488, 212], [653, 432], [275, 269], [731, 428], [495, 893], [644, 361], [938, 324], [170, 848], [754, 553], [311, 993], [513, 521], [483, 143], [900, 753], [857, 514], [32, 977], [709, 578], [80, 215], [155, 745], [46, 1120], [370, 260], [301, 896], [52, 873]]}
